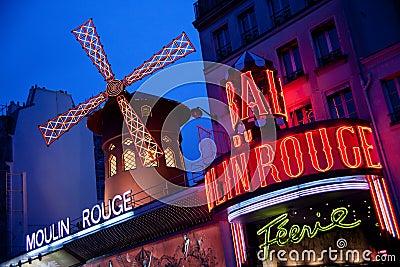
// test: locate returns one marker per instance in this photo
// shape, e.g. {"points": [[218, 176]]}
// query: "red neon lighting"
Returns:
{"points": [[209, 184], [382, 205], [392, 214], [325, 147], [234, 237], [374, 199], [178, 48], [343, 148], [259, 100], [230, 183], [54, 128], [238, 242], [367, 147], [233, 106], [240, 174], [297, 154], [276, 107], [248, 136], [282, 97], [237, 141], [261, 165], [146, 147]]}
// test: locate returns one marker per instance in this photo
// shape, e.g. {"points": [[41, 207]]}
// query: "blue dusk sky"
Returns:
{"points": [[37, 46]]}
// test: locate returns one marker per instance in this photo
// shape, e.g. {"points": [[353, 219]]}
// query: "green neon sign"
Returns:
{"points": [[296, 233]]}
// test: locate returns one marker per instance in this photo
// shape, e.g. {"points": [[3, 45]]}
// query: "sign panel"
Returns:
{"points": [[337, 147]]}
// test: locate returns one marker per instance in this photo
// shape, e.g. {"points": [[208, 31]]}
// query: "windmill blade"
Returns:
{"points": [[146, 147], [87, 36], [177, 49], [53, 129]]}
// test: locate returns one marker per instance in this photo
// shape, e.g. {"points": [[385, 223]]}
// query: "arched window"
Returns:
{"points": [[129, 160], [112, 165], [170, 157]]}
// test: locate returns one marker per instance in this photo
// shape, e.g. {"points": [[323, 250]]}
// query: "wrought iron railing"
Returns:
{"points": [[224, 51], [395, 116], [331, 57], [203, 7], [293, 76], [281, 16], [250, 35]]}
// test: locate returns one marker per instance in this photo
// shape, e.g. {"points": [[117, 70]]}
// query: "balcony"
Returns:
{"points": [[293, 76], [281, 16], [249, 35], [203, 7], [395, 117], [312, 2], [224, 51], [333, 56]]}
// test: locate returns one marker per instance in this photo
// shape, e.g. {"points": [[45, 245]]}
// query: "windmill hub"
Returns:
{"points": [[114, 88]]}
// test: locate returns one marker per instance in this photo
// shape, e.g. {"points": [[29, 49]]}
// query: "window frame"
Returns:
{"points": [[293, 115], [222, 51], [252, 33], [333, 54], [296, 72], [343, 101], [112, 165], [281, 14], [124, 160], [394, 113]]}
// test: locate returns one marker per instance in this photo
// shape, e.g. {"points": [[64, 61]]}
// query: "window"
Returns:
{"points": [[222, 42], [280, 11], [112, 165], [111, 147], [248, 26], [341, 105], [302, 115], [326, 42], [391, 91], [129, 160], [170, 157], [290, 59]]}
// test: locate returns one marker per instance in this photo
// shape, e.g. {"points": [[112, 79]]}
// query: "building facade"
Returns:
{"points": [[42, 184], [334, 60]]}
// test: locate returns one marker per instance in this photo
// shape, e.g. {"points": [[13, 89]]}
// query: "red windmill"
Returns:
{"points": [[86, 34]]}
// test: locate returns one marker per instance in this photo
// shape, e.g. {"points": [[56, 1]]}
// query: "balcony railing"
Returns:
{"points": [[312, 2], [293, 76], [281, 16], [250, 35], [202, 7], [224, 51], [331, 57], [395, 117]]}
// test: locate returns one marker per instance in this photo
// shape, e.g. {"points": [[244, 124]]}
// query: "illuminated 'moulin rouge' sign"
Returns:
{"points": [[336, 147]]}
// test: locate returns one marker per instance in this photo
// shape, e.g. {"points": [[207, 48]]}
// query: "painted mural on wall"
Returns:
{"points": [[197, 248]]}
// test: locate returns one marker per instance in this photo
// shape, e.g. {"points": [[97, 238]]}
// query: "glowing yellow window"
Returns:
{"points": [[111, 147], [169, 157], [150, 161], [129, 160], [128, 141], [112, 165]]}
